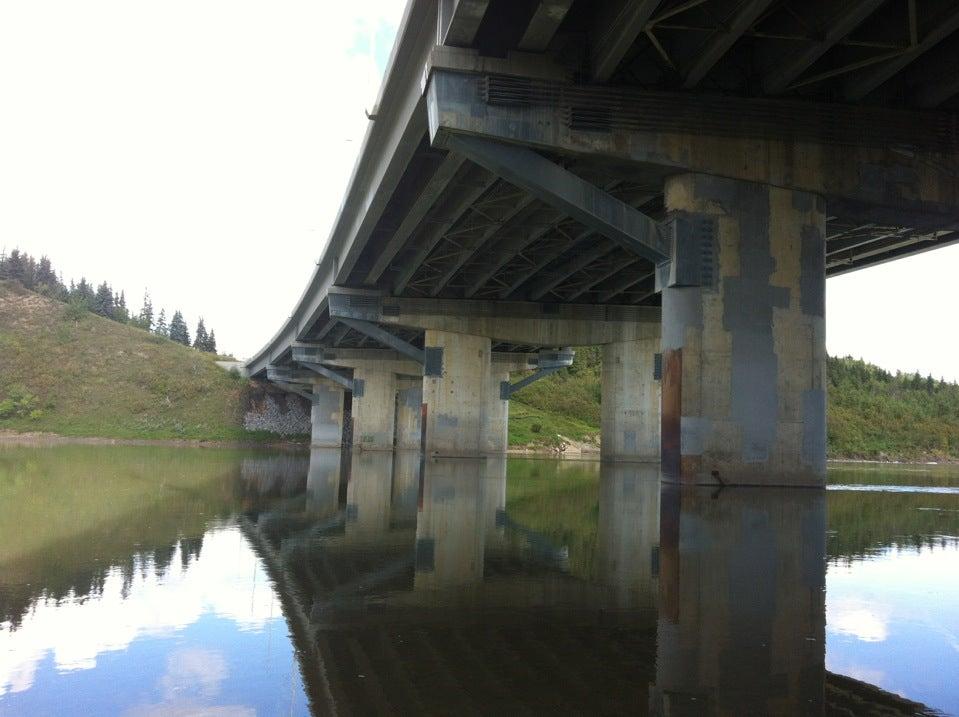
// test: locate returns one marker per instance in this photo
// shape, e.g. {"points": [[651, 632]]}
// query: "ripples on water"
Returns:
{"points": [[149, 581]]}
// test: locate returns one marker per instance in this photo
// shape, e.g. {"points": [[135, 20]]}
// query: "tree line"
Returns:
{"points": [[82, 296]]}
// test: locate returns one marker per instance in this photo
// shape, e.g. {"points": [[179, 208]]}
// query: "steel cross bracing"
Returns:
{"points": [[420, 220]]}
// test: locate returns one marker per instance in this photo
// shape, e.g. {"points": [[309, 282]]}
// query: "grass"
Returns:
{"points": [[533, 426], [78, 374], [872, 414]]}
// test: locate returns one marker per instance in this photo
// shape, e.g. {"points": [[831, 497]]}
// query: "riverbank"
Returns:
{"points": [[567, 451], [40, 438]]}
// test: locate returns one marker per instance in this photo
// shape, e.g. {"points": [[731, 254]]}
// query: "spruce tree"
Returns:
{"points": [[178, 329], [145, 318], [120, 311], [103, 301], [13, 266], [161, 329], [83, 293], [201, 338], [211, 342], [45, 275]]}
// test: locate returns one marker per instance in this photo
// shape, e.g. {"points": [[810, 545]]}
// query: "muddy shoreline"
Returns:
{"points": [[585, 452]]}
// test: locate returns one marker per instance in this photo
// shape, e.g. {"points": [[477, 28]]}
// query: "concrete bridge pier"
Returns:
{"points": [[409, 413], [326, 415], [630, 401], [496, 413], [374, 407], [455, 393], [744, 352]]}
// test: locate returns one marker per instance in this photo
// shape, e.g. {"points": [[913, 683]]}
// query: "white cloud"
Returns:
{"points": [[227, 580], [858, 619]]}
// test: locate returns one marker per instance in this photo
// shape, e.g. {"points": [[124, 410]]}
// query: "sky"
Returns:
{"points": [[201, 148]]}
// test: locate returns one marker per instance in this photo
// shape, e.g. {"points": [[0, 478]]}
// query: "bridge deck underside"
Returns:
{"points": [[444, 227]]}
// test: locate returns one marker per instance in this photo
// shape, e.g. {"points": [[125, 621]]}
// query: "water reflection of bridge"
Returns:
{"points": [[412, 588]]}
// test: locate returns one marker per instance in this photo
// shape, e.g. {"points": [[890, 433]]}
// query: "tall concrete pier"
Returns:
{"points": [[672, 182], [744, 353]]}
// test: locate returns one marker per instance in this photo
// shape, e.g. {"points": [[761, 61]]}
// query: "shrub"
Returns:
{"points": [[75, 310], [19, 403]]}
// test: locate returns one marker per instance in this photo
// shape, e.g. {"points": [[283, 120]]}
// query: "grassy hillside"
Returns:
{"points": [[871, 412], [79, 374]]}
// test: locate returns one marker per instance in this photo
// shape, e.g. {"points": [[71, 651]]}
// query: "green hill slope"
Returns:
{"points": [[89, 376], [871, 412]]}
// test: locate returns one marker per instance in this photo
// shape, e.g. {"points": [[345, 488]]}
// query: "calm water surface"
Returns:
{"points": [[154, 581]]}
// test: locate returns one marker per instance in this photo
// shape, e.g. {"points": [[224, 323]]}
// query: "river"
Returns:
{"points": [[181, 581]]}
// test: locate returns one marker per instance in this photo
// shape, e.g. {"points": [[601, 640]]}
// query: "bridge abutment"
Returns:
{"points": [[630, 403], [744, 352], [455, 393]]}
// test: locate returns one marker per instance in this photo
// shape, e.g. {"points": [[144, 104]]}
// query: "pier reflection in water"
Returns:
{"points": [[427, 590], [410, 586]]}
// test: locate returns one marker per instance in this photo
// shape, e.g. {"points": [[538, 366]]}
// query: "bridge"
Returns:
{"points": [[671, 179]]}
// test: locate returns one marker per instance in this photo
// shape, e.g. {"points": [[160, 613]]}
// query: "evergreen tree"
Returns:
{"points": [[178, 329], [120, 311], [145, 318], [211, 342], [201, 338], [14, 266], [103, 301], [83, 293], [161, 328], [45, 276]]}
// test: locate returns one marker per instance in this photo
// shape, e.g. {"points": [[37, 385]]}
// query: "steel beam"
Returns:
{"points": [[511, 246], [329, 373], [430, 193], [858, 87], [547, 17], [469, 252], [291, 388], [543, 262], [551, 183], [473, 185], [600, 278], [563, 272], [459, 20], [549, 361], [622, 284], [376, 333], [615, 33], [779, 78], [723, 39], [890, 250]]}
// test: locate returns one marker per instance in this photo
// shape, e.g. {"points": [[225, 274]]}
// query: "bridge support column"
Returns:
{"points": [[629, 420], [374, 409], [455, 397], [327, 416], [496, 418], [744, 353], [409, 413]]}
